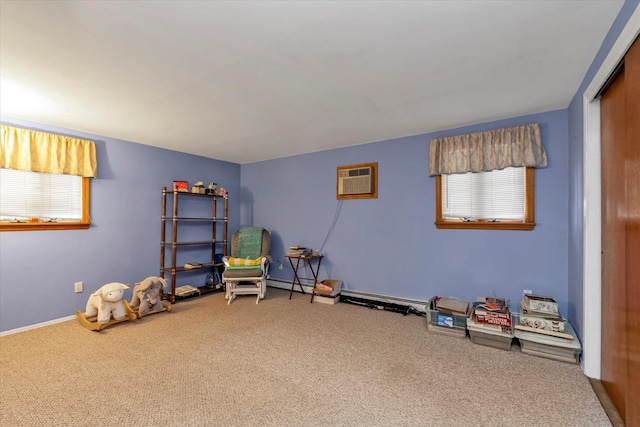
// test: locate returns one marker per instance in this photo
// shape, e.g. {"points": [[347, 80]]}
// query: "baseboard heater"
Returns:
{"points": [[365, 299], [381, 305]]}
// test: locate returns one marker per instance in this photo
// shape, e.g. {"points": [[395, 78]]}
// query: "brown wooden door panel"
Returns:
{"points": [[620, 136], [632, 233], [613, 371], [632, 415]]}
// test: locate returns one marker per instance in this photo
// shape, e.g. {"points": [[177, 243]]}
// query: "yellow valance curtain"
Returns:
{"points": [[30, 150], [486, 151]]}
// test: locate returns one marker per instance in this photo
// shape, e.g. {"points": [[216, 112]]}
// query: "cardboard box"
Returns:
{"points": [[335, 285], [327, 299], [540, 304]]}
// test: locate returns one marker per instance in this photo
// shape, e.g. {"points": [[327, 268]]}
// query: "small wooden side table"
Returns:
{"points": [[296, 265]]}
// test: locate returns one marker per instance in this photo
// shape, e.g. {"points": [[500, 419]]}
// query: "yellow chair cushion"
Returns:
{"points": [[243, 262]]}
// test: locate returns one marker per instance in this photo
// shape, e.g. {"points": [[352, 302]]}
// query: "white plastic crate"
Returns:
{"points": [[551, 347], [444, 322]]}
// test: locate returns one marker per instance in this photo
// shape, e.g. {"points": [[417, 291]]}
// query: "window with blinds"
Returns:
{"points": [[492, 196], [48, 197]]}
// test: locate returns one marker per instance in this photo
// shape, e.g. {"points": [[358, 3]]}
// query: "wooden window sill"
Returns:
{"points": [[485, 225], [42, 226]]}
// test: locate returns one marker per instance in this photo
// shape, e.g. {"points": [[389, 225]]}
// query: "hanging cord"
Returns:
{"points": [[333, 224]]}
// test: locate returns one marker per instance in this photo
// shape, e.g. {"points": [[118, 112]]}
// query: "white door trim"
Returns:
{"points": [[592, 232]]}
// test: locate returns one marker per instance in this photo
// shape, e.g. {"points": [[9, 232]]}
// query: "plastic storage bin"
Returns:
{"points": [[491, 338], [444, 322], [550, 347], [499, 340]]}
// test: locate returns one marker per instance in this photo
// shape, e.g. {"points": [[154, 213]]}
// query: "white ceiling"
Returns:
{"points": [[247, 81]]}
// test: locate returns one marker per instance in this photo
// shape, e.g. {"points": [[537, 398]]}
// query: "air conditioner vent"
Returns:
{"points": [[355, 181]]}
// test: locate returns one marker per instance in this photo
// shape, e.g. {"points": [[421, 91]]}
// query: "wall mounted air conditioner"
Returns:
{"points": [[355, 181]]}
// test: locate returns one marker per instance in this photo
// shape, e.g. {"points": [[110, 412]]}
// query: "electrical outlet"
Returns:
{"points": [[78, 287], [527, 292], [280, 266]]}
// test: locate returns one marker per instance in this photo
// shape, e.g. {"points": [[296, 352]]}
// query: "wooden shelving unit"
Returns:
{"points": [[213, 225]]}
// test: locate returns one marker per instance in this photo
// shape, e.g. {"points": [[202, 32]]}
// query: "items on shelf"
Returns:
{"points": [[198, 188], [211, 189], [186, 291], [192, 265], [221, 192], [207, 236], [213, 280], [181, 186]]}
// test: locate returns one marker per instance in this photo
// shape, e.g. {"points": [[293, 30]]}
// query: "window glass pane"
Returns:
{"points": [[497, 194], [40, 195]]}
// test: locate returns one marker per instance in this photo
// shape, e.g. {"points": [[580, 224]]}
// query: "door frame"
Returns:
{"points": [[592, 214]]}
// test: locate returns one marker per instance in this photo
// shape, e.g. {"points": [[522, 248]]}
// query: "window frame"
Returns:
{"points": [[34, 224], [528, 224]]}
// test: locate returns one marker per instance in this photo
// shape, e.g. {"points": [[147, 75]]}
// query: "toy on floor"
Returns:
{"points": [[147, 296], [105, 307]]}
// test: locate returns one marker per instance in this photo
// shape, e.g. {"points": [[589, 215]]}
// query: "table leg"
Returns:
{"points": [[315, 276], [296, 279]]}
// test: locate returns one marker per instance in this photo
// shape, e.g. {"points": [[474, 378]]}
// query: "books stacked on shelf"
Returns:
{"points": [[490, 323], [186, 291], [543, 332], [295, 251], [447, 315]]}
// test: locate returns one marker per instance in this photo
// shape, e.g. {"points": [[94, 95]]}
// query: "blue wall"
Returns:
{"points": [[390, 245], [387, 245], [38, 269], [576, 171]]}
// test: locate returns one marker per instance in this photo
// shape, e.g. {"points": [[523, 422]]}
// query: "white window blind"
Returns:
{"points": [[46, 196], [497, 194]]}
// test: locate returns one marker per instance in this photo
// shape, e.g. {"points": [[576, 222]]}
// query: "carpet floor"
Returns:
{"points": [[281, 362]]}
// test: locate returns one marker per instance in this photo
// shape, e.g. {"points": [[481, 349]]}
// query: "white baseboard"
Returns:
{"points": [[285, 284], [36, 326], [417, 304]]}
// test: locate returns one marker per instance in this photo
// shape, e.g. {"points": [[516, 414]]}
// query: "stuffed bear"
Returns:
{"points": [[107, 302], [147, 294]]}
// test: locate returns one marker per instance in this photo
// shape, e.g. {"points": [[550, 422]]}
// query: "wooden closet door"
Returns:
{"points": [[613, 369], [620, 151], [632, 231]]}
